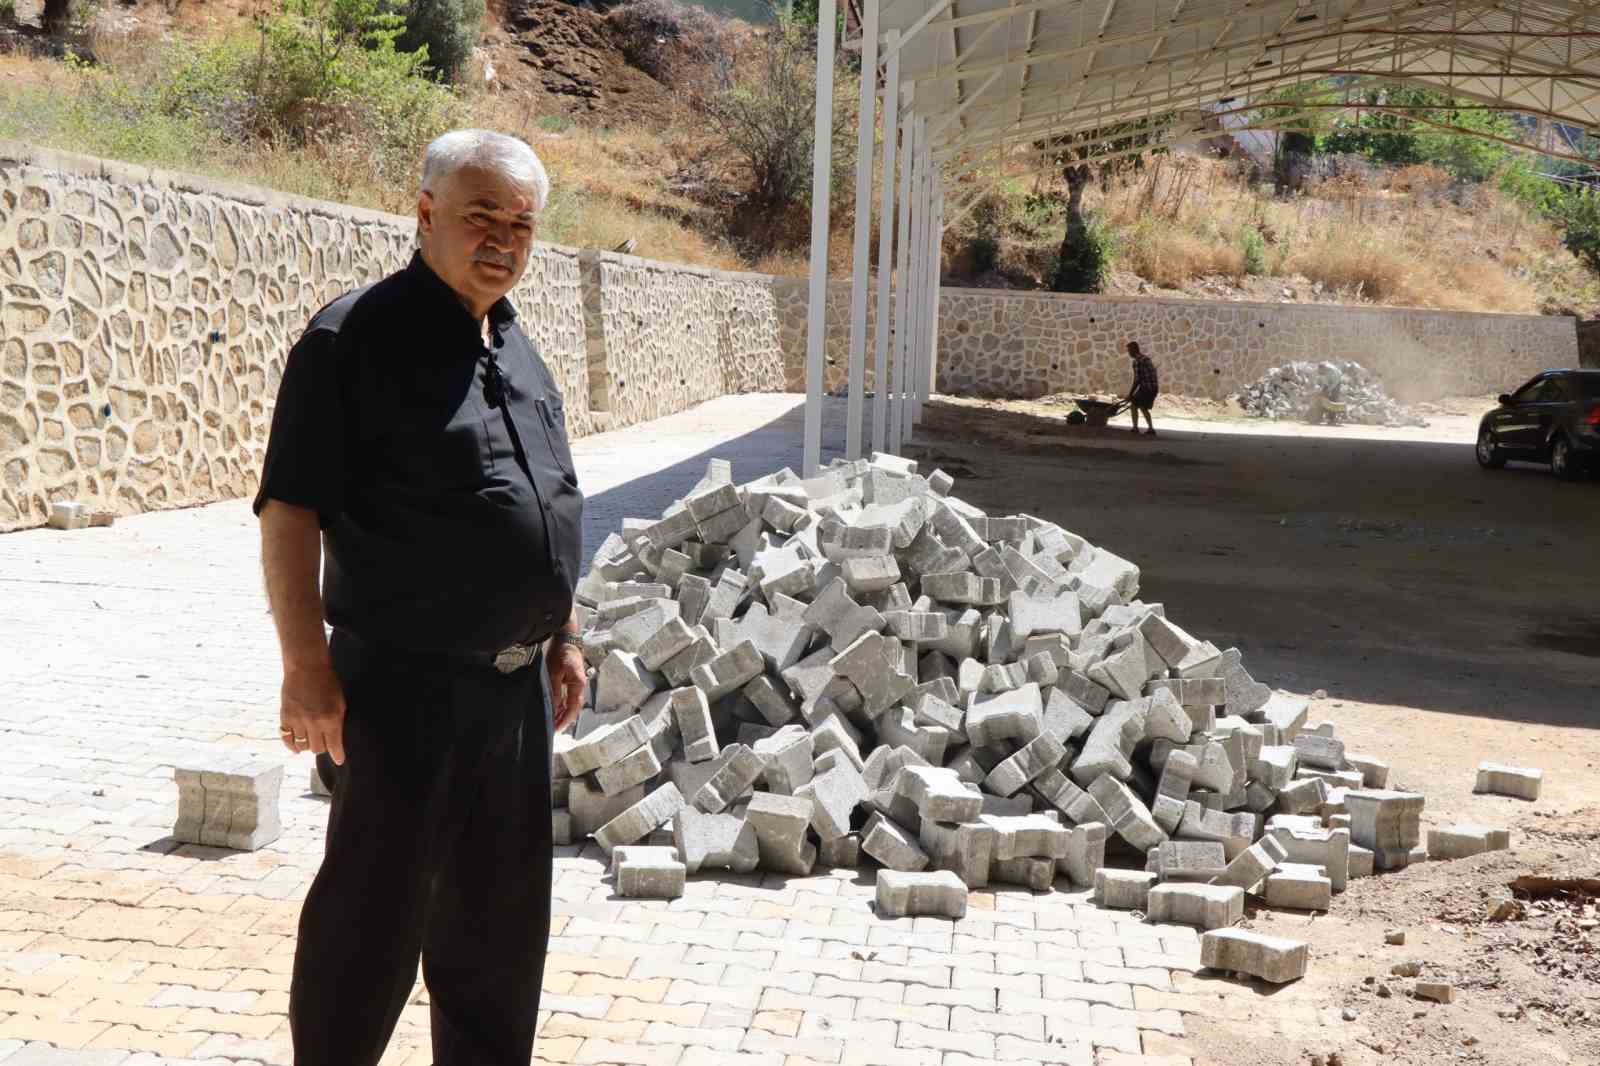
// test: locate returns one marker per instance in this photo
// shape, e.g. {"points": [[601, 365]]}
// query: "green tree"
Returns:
{"points": [[767, 118], [1408, 136], [1580, 215], [1083, 262], [447, 30]]}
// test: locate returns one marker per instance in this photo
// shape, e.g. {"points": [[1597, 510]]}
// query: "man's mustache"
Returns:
{"points": [[502, 259]]}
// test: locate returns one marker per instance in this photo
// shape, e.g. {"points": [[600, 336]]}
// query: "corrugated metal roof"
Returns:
{"points": [[988, 73]]}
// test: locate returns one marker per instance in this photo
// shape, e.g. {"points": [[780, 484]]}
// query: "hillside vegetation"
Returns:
{"points": [[689, 136]]}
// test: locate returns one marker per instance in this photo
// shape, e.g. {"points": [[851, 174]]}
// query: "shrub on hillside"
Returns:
{"points": [[447, 30], [1580, 214], [1254, 247], [1084, 262], [321, 70], [674, 43], [766, 118]]}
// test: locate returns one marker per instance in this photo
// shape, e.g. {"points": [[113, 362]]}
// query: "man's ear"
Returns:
{"points": [[425, 206]]}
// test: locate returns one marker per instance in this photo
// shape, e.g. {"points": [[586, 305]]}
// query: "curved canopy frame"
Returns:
{"points": [[968, 80]]}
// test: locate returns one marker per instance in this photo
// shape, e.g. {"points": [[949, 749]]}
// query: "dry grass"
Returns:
{"points": [[1168, 256], [1402, 240]]}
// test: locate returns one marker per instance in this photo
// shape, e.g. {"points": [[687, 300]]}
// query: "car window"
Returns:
{"points": [[1589, 386], [1529, 393], [1548, 391]]}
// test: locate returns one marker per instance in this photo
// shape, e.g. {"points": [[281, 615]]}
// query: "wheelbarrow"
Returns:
{"points": [[1321, 409], [1099, 412]]}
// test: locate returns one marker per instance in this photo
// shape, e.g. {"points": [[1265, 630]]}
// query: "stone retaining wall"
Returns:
{"points": [[1028, 344], [145, 317], [663, 337], [1032, 344]]}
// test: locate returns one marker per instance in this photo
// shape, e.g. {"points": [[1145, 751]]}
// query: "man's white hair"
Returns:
{"points": [[451, 151]]}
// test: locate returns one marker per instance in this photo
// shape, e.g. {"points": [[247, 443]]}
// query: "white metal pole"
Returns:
{"points": [[863, 235], [821, 170], [914, 291], [908, 354], [930, 359], [902, 271], [880, 346], [905, 351], [925, 279]]}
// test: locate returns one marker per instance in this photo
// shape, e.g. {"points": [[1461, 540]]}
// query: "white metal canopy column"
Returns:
{"points": [[863, 231], [886, 230], [902, 270], [821, 171]]}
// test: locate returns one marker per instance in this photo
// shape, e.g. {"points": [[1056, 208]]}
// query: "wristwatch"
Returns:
{"points": [[566, 636]]}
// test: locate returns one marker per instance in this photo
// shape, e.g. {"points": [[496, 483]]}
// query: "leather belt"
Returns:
{"points": [[510, 660], [507, 660]]}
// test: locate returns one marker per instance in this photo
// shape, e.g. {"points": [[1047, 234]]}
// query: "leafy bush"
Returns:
{"points": [[8, 12], [766, 118], [984, 247], [446, 30], [1581, 215], [1084, 264], [322, 70], [674, 43], [1255, 251]]}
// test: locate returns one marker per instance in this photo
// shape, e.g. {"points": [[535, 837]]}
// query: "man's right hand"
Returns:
{"points": [[311, 711]]}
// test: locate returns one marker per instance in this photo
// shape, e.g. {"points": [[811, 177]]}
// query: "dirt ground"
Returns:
{"points": [[1446, 614]]}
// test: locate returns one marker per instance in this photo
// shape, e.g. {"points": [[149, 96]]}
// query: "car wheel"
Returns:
{"points": [[1562, 464], [1489, 455]]}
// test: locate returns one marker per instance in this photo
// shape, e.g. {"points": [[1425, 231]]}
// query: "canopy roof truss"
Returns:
{"points": [[1023, 71]]}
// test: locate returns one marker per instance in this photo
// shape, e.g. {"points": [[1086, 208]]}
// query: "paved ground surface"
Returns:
{"points": [[132, 648], [126, 650]]}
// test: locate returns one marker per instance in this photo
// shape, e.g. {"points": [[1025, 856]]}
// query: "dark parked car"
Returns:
{"points": [[1555, 419]]}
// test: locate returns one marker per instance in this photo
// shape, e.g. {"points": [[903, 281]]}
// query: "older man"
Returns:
{"points": [[419, 453]]}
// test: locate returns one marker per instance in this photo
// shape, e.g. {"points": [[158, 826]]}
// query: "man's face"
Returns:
{"points": [[478, 225]]}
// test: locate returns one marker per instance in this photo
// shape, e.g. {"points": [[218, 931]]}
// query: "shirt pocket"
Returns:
{"points": [[553, 417], [438, 438]]}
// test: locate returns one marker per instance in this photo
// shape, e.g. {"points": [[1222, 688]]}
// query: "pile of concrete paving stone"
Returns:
{"points": [[1287, 392], [860, 667]]}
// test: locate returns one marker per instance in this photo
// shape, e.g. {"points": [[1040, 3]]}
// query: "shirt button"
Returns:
{"points": [[549, 617]]}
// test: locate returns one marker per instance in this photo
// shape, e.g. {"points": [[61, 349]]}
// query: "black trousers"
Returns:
{"points": [[438, 848]]}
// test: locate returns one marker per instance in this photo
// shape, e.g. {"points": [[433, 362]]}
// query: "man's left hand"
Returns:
{"points": [[568, 679]]}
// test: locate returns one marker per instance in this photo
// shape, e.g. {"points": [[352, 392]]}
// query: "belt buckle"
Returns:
{"points": [[510, 660]]}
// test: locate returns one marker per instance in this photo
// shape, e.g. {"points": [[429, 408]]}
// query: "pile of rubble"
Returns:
{"points": [[1290, 391], [861, 666]]}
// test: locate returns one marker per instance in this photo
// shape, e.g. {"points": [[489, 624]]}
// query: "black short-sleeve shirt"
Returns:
{"points": [[437, 534]]}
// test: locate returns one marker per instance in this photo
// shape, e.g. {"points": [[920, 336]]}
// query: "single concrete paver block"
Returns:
{"points": [[639, 820], [715, 841], [835, 796], [1515, 781], [780, 823], [1463, 840], [940, 894], [1299, 886], [1270, 958], [894, 847], [1123, 890], [1202, 906]]}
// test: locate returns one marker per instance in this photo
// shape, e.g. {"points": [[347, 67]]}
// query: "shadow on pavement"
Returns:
{"points": [[1386, 571]]}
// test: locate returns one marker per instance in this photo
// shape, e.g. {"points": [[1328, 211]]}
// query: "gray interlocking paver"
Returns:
{"points": [[742, 969]]}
